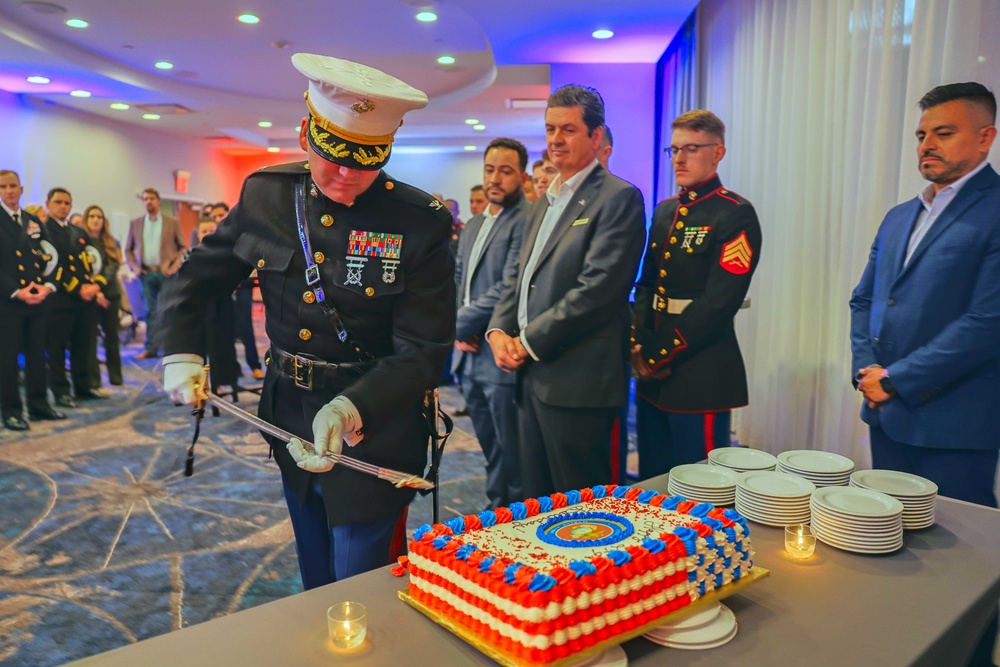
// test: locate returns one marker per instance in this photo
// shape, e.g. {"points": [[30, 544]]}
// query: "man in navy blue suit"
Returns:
{"points": [[488, 253], [925, 318]]}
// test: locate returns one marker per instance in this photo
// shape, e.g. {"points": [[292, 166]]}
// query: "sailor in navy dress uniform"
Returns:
{"points": [[704, 245], [358, 288]]}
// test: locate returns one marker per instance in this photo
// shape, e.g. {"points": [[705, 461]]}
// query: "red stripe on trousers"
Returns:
{"points": [[615, 444], [397, 546], [709, 432]]}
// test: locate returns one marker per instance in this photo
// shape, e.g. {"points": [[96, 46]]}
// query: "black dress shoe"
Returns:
{"points": [[48, 414], [90, 394], [65, 401], [15, 424]]}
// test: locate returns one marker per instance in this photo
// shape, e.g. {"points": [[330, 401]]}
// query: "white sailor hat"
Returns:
{"points": [[354, 110]]}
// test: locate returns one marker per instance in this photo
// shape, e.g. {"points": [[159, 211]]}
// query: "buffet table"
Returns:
{"points": [[923, 605]]}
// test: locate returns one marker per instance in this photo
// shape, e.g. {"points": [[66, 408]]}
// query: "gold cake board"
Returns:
{"points": [[756, 574]]}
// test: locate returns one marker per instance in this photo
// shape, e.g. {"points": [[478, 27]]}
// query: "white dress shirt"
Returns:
{"points": [[152, 230], [934, 206], [559, 195]]}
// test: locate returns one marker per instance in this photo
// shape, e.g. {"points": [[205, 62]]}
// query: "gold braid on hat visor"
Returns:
{"points": [[344, 148]]}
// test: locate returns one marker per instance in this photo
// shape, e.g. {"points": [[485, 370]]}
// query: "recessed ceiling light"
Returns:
{"points": [[469, 148], [80, 93], [119, 106], [273, 149], [151, 116], [77, 23], [472, 121], [264, 123], [249, 19], [478, 126], [427, 17], [602, 34], [38, 79], [163, 64], [446, 60]]}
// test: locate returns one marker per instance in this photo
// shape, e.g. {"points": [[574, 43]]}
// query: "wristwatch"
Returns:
{"points": [[886, 383]]}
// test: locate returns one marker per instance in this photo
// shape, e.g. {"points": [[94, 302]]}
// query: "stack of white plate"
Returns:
{"points": [[710, 628], [917, 494], [855, 519], [773, 498], [820, 468], [703, 484], [741, 459]]}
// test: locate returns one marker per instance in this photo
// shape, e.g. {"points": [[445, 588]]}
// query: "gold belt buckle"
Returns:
{"points": [[301, 364]]}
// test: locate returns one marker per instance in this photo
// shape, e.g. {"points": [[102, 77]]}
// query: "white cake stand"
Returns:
{"points": [[709, 628], [612, 657]]}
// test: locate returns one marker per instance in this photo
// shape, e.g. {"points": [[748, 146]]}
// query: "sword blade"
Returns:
{"points": [[388, 474]]}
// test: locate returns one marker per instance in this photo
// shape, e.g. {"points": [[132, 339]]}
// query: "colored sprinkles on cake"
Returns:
{"points": [[524, 582]]}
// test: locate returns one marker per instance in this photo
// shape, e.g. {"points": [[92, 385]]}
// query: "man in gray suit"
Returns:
{"points": [[488, 253], [154, 250], [562, 322]]}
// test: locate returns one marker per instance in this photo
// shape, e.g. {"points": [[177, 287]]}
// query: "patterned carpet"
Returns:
{"points": [[104, 542]]}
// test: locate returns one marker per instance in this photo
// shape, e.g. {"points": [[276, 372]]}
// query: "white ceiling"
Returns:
{"points": [[231, 75]]}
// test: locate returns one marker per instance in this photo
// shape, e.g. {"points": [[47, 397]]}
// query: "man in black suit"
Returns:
{"points": [[488, 253], [562, 322], [70, 307], [23, 294], [704, 246]]}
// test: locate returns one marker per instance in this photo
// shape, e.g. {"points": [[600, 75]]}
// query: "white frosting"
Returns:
{"points": [[518, 542]]}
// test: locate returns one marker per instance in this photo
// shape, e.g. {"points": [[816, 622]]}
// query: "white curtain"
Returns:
{"points": [[819, 102]]}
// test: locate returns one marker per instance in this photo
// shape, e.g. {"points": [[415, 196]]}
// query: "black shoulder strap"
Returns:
{"points": [[312, 278]]}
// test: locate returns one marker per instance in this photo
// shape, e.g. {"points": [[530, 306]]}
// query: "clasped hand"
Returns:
{"points": [[642, 371], [869, 385], [509, 353], [33, 294]]}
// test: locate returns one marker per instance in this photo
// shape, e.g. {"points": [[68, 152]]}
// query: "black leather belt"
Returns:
{"points": [[310, 373]]}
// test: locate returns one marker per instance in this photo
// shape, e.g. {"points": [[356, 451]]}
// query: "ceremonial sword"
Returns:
{"points": [[397, 478]]}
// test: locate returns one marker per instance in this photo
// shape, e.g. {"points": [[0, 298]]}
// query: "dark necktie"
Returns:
{"points": [[17, 220]]}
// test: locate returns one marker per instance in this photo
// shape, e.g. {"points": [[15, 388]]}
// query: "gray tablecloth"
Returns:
{"points": [[923, 605]]}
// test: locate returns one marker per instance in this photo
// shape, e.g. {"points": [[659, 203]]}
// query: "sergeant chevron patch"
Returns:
{"points": [[736, 255]]}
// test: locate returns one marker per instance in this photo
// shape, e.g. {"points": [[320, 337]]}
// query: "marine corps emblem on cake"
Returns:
{"points": [[585, 529], [364, 245]]}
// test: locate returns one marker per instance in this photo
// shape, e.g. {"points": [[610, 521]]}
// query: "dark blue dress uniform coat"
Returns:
{"points": [[402, 314], [704, 246]]}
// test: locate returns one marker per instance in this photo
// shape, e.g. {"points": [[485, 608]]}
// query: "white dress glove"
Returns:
{"points": [[336, 421], [183, 375]]}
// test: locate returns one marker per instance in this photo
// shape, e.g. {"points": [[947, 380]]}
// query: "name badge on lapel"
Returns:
{"points": [[580, 221]]}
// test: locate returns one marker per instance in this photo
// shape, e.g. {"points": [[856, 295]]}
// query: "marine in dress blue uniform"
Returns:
{"points": [[704, 246], [378, 254]]}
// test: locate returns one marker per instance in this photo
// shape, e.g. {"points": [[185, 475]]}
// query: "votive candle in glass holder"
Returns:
{"points": [[347, 624], [800, 542]]}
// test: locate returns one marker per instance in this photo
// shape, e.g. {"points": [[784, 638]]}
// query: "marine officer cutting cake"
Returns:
{"points": [[358, 290]]}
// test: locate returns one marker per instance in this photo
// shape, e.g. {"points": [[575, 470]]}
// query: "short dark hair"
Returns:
{"points": [[476, 187], [223, 205], [11, 172], [701, 120], [545, 155], [512, 144], [588, 99], [537, 164], [54, 191], [972, 92], [607, 136], [151, 191]]}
